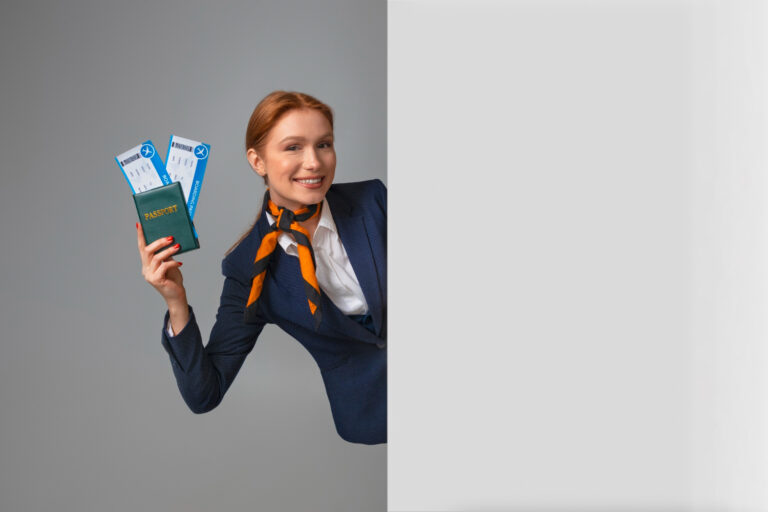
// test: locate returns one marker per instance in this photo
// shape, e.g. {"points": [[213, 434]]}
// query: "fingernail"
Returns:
{"points": [[137, 225], [169, 238], [180, 263], [177, 246]]}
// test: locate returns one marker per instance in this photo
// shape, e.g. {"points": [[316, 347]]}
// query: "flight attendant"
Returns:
{"points": [[313, 263]]}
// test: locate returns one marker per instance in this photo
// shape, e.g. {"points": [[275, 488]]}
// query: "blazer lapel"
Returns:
{"points": [[354, 235]]}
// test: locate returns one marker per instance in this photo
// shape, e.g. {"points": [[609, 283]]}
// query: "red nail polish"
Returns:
{"points": [[180, 263], [177, 246], [137, 225], [169, 238]]}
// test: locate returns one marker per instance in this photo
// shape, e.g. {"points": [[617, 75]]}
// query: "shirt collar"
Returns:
{"points": [[286, 240]]}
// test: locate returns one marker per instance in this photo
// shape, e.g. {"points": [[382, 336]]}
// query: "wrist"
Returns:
{"points": [[178, 306]]}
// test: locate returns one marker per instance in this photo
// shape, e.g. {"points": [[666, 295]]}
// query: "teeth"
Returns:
{"points": [[310, 181]]}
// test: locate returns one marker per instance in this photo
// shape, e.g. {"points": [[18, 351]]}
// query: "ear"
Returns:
{"points": [[256, 162]]}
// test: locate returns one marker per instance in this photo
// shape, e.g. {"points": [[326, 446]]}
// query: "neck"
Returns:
{"points": [[311, 224]]}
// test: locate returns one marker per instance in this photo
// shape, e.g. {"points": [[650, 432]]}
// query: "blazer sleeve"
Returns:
{"points": [[204, 374]]}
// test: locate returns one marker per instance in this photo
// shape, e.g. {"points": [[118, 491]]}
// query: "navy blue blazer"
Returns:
{"points": [[352, 359]]}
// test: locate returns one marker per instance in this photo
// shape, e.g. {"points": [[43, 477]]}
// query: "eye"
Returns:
{"points": [[293, 147], [326, 144]]}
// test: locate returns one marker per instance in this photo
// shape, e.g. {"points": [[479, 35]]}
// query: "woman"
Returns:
{"points": [[314, 263]]}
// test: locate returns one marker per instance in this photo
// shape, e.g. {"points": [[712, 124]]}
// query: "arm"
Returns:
{"points": [[203, 374]]}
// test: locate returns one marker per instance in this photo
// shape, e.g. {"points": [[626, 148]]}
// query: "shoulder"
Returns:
{"points": [[238, 263], [365, 195], [354, 187], [374, 185]]}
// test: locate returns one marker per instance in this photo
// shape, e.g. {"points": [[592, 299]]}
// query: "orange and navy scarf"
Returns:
{"points": [[287, 221]]}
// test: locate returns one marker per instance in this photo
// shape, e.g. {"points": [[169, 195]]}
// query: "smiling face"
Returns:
{"points": [[298, 159]]}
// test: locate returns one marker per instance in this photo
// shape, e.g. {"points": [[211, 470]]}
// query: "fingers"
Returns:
{"points": [[155, 271], [162, 256], [149, 260], [157, 244], [163, 268], [146, 251], [149, 251], [159, 277], [154, 267]]}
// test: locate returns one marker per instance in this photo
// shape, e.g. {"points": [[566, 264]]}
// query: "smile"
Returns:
{"points": [[310, 182]]}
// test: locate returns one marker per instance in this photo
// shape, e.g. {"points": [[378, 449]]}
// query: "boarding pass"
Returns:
{"points": [[143, 168], [185, 163]]}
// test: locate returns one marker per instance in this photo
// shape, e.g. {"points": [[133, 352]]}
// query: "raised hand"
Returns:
{"points": [[161, 270]]}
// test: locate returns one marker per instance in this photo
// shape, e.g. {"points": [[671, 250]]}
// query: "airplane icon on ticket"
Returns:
{"points": [[201, 151], [147, 151]]}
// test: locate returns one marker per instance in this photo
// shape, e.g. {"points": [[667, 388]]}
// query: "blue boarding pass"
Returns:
{"points": [[143, 168], [185, 162]]}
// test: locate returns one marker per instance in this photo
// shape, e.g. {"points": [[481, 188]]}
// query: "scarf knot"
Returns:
{"points": [[284, 220]]}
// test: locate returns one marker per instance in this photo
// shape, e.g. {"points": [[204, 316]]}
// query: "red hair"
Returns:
{"points": [[274, 106]]}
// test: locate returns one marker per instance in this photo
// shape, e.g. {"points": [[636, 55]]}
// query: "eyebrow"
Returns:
{"points": [[297, 137]]}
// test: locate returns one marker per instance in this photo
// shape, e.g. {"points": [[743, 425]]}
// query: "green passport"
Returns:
{"points": [[163, 212]]}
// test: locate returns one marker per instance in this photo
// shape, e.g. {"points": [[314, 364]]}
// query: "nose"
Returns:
{"points": [[311, 162]]}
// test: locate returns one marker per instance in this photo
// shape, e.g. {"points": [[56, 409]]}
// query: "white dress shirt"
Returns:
{"points": [[334, 271]]}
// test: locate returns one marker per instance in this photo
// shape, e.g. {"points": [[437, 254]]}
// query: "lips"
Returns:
{"points": [[315, 182]]}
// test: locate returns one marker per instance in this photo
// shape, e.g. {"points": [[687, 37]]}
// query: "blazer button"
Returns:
{"points": [[381, 345]]}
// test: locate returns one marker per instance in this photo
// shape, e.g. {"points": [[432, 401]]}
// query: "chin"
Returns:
{"points": [[316, 197]]}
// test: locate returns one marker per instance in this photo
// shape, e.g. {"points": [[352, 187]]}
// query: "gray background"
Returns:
{"points": [[90, 416]]}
